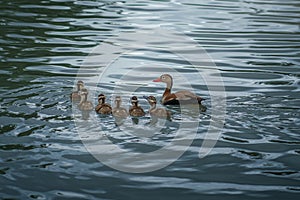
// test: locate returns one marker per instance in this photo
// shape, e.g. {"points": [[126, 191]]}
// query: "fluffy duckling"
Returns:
{"points": [[157, 112], [102, 107], [119, 111], [75, 96], [84, 104], [135, 110]]}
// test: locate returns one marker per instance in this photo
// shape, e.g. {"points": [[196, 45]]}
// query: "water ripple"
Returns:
{"points": [[255, 45]]}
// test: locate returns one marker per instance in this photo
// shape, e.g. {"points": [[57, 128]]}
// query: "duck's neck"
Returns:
{"points": [[83, 98], [118, 104], [152, 107], [79, 87], [101, 101], [168, 88], [169, 85], [135, 104], [167, 92]]}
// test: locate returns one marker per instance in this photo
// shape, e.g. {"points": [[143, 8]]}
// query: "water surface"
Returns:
{"points": [[255, 45]]}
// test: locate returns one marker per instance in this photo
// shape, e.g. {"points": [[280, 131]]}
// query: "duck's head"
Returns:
{"points": [[101, 98], [118, 100], [80, 85], [134, 100], [165, 78], [150, 99], [83, 92]]}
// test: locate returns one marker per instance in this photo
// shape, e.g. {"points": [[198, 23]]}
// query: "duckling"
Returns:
{"points": [[102, 107], [157, 112], [135, 110], [119, 111], [75, 96], [84, 104]]}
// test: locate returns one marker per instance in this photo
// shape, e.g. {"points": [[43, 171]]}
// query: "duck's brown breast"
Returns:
{"points": [[136, 112], [75, 97], [120, 112], [103, 109], [160, 112], [86, 106]]}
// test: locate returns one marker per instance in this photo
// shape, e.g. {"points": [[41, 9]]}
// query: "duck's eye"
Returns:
{"points": [[163, 77]]}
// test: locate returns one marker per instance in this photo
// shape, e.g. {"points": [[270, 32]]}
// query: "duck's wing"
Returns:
{"points": [[97, 108], [120, 112], [142, 110], [170, 97], [106, 110], [185, 95], [131, 109], [107, 105], [124, 109], [90, 105]]}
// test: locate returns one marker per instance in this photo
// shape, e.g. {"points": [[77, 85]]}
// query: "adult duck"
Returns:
{"points": [[102, 107], [118, 111], [135, 110], [157, 112], [75, 96], [180, 97], [84, 104]]}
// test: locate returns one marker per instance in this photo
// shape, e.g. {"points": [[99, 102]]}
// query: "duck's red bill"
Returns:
{"points": [[157, 80]]}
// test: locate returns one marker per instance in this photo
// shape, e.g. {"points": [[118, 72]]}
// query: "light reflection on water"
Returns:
{"points": [[254, 45]]}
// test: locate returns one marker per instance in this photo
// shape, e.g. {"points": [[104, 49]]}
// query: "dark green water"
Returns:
{"points": [[255, 45]]}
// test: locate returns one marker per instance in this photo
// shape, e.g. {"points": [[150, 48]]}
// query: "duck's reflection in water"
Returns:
{"points": [[135, 120], [119, 121], [160, 121]]}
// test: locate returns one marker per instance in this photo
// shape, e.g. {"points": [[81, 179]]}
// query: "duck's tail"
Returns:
{"points": [[200, 99]]}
